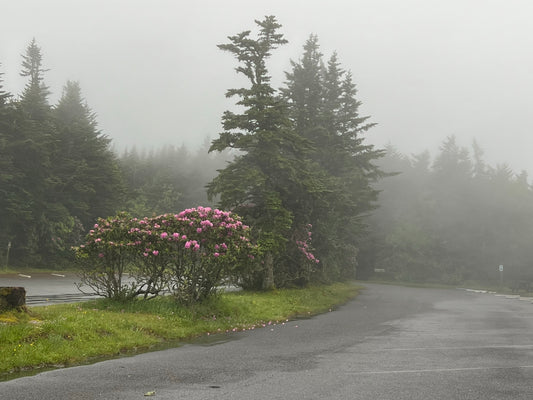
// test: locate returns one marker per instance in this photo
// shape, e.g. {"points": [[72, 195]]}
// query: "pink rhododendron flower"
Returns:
{"points": [[199, 230], [216, 254], [164, 235], [155, 252], [101, 255]]}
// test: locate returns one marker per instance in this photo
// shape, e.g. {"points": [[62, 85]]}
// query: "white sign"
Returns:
{"points": [[501, 268]]}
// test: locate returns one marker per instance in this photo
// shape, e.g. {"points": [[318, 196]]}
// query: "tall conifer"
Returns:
{"points": [[266, 180], [85, 168], [325, 110]]}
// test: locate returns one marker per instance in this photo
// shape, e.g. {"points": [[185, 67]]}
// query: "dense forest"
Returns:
{"points": [[58, 172], [294, 164]]}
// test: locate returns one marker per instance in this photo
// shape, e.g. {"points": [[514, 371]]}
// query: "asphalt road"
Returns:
{"points": [[390, 343], [46, 288]]}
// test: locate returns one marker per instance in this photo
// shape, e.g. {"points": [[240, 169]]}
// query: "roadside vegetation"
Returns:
{"points": [[69, 334], [292, 164]]}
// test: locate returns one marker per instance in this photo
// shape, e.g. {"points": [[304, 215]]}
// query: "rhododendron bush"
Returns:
{"points": [[189, 254]]}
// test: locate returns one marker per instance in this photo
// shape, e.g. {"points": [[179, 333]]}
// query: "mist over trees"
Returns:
{"points": [[303, 176], [292, 162], [451, 218], [168, 179], [58, 171], [59, 174]]}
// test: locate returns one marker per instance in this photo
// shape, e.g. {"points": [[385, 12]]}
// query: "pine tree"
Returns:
{"points": [[35, 95], [88, 180], [7, 171], [32, 214], [304, 91], [269, 176], [324, 110], [4, 96]]}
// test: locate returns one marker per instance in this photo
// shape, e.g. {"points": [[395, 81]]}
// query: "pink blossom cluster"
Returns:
{"points": [[305, 246], [203, 230]]}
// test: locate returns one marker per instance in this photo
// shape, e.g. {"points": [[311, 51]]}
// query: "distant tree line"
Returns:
{"points": [[450, 219], [168, 179]]}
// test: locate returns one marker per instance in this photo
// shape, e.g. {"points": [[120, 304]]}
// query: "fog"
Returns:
{"points": [[424, 69]]}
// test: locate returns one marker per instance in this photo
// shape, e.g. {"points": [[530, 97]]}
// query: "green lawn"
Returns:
{"points": [[70, 334]]}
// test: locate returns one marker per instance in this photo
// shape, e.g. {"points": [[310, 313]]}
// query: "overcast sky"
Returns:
{"points": [[424, 69]]}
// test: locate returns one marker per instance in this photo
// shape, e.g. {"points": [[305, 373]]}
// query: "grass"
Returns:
{"points": [[70, 334]]}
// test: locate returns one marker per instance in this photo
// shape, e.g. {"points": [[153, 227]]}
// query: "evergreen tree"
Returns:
{"points": [[304, 92], [7, 170], [4, 96], [88, 180], [268, 178], [32, 213], [324, 110], [35, 95]]}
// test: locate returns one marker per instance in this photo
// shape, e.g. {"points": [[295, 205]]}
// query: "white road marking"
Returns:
{"points": [[418, 371], [514, 346]]}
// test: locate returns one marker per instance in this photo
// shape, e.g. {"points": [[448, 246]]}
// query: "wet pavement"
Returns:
{"points": [[391, 342], [47, 288]]}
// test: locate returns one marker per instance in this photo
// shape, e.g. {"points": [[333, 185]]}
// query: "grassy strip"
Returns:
{"points": [[69, 334]]}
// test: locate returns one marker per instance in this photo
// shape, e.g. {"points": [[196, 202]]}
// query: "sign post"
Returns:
{"points": [[501, 275]]}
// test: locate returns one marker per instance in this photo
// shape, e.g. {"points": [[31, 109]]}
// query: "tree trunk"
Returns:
{"points": [[12, 298], [268, 283]]}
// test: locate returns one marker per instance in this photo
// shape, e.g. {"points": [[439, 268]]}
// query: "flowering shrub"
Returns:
{"points": [[190, 253], [297, 266], [305, 246], [106, 257]]}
